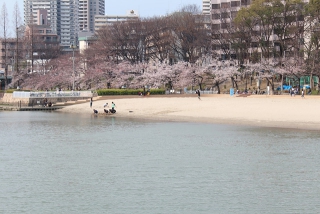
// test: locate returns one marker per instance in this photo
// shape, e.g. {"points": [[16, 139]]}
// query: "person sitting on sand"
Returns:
{"points": [[105, 105], [95, 111], [106, 111]]}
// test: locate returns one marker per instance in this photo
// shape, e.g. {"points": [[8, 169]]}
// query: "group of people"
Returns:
{"points": [[112, 110], [144, 93], [293, 92], [249, 91], [46, 103]]}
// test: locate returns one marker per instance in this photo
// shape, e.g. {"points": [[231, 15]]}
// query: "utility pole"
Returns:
{"points": [[72, 46], [32, 48], [4, 22], [17, 54], [5, 62]]}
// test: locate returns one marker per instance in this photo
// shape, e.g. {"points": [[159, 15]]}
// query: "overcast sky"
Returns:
{"points": [[145, 8]]}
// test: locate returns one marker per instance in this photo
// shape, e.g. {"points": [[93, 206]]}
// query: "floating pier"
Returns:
{"points": [[52, 108], [34, 108]]}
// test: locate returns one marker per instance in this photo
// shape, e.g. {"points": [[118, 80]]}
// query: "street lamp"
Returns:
{"points": [[12, 66], [72, 46]]}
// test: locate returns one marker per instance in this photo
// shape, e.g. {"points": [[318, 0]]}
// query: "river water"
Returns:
{"points": [[67, 163]]}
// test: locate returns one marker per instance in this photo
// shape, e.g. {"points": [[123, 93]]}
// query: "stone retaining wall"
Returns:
{"points": [[8, 98]]}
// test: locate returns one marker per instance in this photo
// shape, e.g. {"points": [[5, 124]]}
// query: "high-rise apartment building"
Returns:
{"points": [[103, 20], [222, 12], [68, 25], [65, 17], [31, 8], [87, 11]]}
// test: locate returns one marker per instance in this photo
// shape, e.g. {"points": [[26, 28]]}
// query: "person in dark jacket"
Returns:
{"points": [[198, 92]]}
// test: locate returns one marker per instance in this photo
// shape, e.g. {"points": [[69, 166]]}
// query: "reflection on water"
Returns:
{"points": [[65, 163]]}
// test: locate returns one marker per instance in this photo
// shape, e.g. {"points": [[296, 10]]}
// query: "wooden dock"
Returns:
{"points": [[52, 108], [34, 108]]}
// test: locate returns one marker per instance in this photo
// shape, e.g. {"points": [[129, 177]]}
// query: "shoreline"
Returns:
{"points": [[278, 111]]}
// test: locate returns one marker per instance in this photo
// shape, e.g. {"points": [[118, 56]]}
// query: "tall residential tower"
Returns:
{"points": [[65, 17], [87, 11], [206, 7]]}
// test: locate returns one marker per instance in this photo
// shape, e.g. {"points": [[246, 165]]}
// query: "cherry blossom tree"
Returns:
{"points": [[100, 72], [193, 74], [170, 74], [219, 71]]}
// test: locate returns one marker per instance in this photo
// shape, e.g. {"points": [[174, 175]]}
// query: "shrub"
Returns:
{"points": [[8, 91], [157, 91], [314, 92]]}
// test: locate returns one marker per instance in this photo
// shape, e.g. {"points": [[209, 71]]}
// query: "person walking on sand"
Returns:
{"points": [[91, 102], [302, 93], [198, 92], [113, 105]]}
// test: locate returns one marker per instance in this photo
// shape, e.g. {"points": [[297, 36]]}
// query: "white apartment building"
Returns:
{"points": [[101, 21], [221, 13], [31, 8], [206, 7], [222, 10]]}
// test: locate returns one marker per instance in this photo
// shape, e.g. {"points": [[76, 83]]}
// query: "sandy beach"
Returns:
{"points": [[256, 110]]}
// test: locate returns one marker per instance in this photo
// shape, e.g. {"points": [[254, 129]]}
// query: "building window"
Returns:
{"points": [[224, 25], [225, 15], [235, 3], [225, 5], [216, 27], [245, 2], [216, 16], [215, 6]]}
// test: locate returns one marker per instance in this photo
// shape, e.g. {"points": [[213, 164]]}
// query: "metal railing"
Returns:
{"points": [[190, 92], [202, 92], [51, 94]]}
